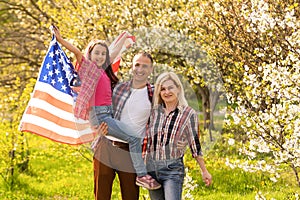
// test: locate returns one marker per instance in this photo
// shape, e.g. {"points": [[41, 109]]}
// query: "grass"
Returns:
{"points": [[59, 171], [237, 184]]}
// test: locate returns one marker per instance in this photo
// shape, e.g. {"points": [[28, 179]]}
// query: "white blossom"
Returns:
{"points": [[231, 141]]}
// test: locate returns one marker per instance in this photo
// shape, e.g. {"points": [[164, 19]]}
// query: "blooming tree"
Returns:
{"points": [[254, 44], [259, 54]]}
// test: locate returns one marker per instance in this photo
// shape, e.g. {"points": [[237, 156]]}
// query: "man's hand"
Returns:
{"points": [[101, 129]]}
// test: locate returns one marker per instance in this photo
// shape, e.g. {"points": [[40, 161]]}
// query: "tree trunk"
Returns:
{"points": [[296, 174], [203, 93], [209, 102], [214, 98]]}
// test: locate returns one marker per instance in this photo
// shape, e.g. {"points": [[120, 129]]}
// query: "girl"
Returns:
{"points": [[95, 99]]}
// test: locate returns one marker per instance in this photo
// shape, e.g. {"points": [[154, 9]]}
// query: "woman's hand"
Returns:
{"points": [[181, 145], [207, 178]]}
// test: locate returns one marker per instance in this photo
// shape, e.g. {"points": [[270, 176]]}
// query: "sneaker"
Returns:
{"points": [[147, 182]]}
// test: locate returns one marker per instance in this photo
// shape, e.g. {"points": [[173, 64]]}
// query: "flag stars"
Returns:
{"points": [[68, 60], [60, 80], [53, 82], [57, 71], [51, 54], [45, 77], [68, 73], [65, 68], [64, 87]]}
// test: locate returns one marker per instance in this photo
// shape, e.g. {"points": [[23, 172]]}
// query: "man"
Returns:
{"points": [[132, 105]]}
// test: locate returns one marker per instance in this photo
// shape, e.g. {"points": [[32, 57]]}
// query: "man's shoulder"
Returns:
{"points": [[122, 84]]}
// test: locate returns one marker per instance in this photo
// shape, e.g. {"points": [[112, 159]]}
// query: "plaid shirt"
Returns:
{"points": [[164, 132], [121, 93], [89, 75]]}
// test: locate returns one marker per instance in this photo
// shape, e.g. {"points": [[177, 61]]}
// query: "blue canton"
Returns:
{"points": [[57, 70]]}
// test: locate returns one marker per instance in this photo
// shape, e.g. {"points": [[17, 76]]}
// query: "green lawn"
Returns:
{"points": [[59, 171]]}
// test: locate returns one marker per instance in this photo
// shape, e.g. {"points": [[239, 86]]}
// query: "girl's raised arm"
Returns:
{"points": [[68, 45]]}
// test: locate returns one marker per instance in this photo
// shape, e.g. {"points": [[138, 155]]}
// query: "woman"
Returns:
{"points": [[171, 121]]}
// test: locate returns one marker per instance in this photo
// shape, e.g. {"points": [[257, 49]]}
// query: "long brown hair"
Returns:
{"points": [[107, 64]]}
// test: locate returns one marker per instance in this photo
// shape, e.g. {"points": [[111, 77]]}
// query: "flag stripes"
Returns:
{"points": [[49, 112]]}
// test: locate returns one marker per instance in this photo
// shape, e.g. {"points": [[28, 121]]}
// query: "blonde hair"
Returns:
{"points": [[163, 78]]}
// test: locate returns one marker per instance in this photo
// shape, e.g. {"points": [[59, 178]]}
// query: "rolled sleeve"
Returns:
{"points": [[192, 130]]}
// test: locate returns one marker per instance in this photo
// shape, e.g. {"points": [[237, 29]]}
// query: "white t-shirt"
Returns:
{"points": [[136, 112]]}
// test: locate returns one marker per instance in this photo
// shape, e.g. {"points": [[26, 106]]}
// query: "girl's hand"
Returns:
{"points": [[67, 44], [76, 89], [56, 32]]}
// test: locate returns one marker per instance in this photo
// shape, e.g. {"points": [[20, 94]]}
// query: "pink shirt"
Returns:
{"points": [[95, 88], [103, 91]]}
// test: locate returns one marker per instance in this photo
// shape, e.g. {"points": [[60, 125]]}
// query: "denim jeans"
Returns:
{"points": [[120, 130], [170, 174]]}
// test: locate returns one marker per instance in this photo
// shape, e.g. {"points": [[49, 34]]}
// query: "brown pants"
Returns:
{"points": [[111, 158]]}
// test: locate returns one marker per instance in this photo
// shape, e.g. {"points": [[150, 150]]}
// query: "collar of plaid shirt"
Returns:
{"points": [[122, 92]]}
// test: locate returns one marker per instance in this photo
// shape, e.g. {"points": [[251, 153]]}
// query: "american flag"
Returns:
{"points": [[50, 110]]}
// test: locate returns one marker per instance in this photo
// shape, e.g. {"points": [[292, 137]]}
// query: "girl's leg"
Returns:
{"points": [[117, 128], [122, 131], [135, 145]]}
